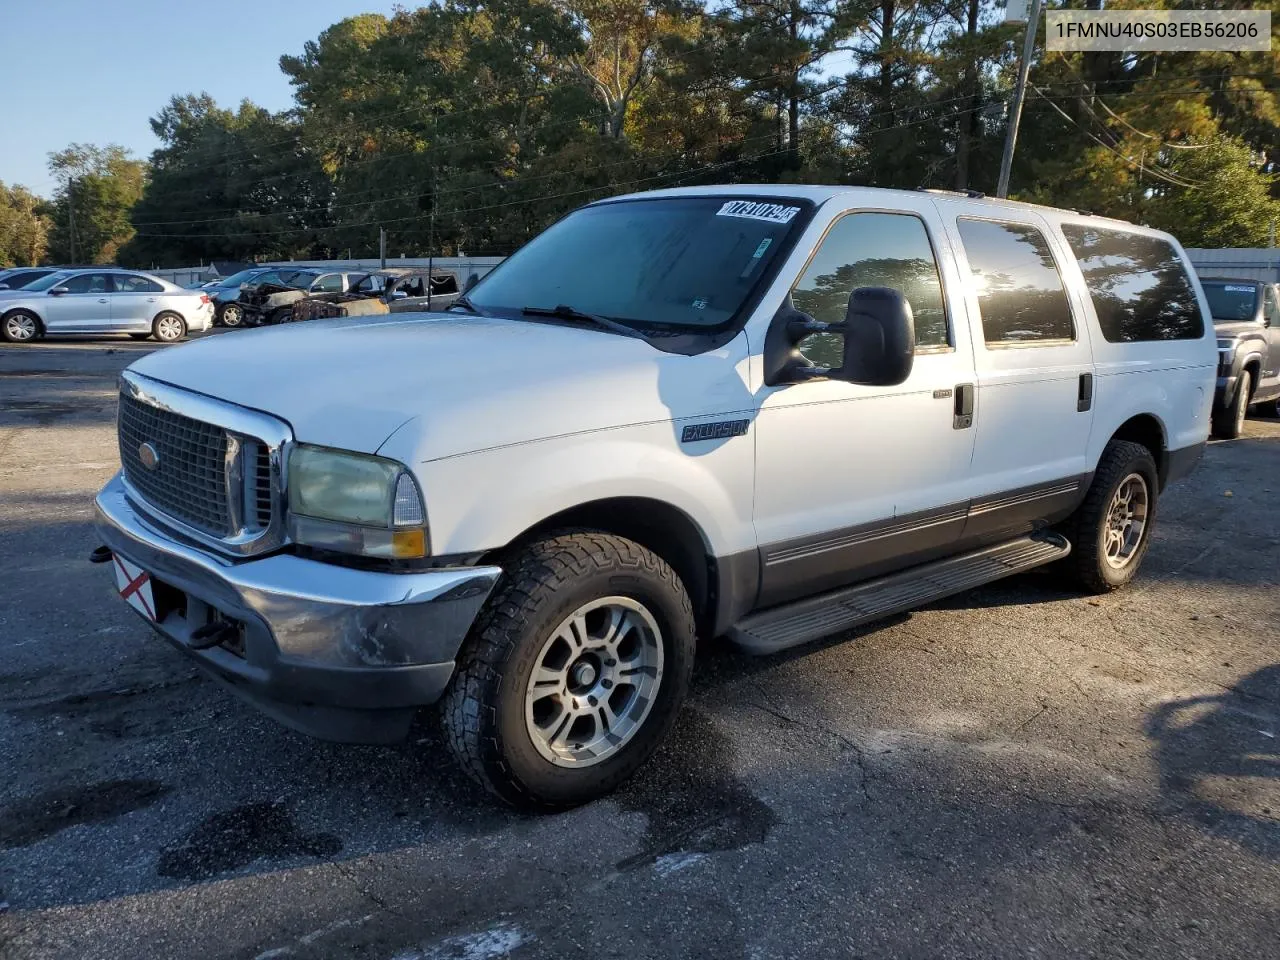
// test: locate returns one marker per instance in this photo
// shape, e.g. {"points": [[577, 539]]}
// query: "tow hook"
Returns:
{"points": [[100, 554], [212, 635]]}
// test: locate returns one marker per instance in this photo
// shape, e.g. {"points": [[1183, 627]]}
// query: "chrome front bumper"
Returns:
{"points": [[335, 652]]}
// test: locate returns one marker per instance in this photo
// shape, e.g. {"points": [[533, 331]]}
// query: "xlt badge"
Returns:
{"points": [[714, 431]]}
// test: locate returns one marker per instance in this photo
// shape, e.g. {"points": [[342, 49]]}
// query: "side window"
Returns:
{"points": [[871, 250], [131, 283], [329, 283], [1020, 293], [1271, 306], [1139, 287], [444, 285], [87, 283]]}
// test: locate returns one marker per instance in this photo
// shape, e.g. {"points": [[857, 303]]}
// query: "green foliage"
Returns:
{"points": [[468, 126], [24, 229], [97, 189]]}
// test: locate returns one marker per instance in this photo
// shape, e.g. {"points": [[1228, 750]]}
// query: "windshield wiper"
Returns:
{"points": [[465, 303], [563, 311]]}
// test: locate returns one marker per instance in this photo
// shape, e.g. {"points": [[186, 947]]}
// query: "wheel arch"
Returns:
{"points": [[1147, 430], [658, 526]]}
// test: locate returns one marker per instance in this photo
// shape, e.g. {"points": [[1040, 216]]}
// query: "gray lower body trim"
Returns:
{"points": [[1179, 463], [809, 565]]}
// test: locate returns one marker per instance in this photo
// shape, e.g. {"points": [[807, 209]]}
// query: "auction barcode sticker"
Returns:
{"points": [[1123, 30], [758, 210]]}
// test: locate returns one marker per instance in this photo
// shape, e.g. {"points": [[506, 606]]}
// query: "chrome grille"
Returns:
{"points": [[189, 481]]}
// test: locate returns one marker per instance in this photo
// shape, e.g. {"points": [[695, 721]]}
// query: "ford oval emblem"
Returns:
{"points": [[148, 455]]}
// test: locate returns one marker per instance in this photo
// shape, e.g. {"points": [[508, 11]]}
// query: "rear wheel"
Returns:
{"points": [[169, 328], [573, 673], [1228, 423], [1111, 530], [21, 326]]}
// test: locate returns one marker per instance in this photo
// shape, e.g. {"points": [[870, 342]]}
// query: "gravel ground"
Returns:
{"points": [[1018, 771]]}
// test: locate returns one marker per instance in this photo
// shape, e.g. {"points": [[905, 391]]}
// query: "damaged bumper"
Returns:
{"points": [[335, 652]]}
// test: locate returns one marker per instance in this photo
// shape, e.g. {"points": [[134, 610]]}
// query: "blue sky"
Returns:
{"points": [[96, 70]]}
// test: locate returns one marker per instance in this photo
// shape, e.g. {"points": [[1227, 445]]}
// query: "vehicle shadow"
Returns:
{"points": [[1219, 759]]}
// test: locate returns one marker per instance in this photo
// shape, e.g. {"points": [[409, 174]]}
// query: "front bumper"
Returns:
{"points": [[335, 652]]}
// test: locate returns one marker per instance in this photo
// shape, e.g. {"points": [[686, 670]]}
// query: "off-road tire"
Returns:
{"points": [[1087, 566], [159, 324], [483, 711], [8, 336], [1228, 422]]}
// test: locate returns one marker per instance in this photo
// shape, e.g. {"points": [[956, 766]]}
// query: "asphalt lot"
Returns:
{"points": [[1017, 772]]}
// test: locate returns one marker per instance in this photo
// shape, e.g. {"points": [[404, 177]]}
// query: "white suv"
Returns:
{"points": [[769, 413]]}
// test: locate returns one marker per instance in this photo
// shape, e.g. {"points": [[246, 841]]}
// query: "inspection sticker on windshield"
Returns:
{"points": [[755, 210]]}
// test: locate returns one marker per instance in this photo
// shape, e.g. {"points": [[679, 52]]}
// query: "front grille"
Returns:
{"points": [[192, 479], [189, 481]]}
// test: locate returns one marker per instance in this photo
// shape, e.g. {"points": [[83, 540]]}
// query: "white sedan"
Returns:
{"points": [[103, 300]]}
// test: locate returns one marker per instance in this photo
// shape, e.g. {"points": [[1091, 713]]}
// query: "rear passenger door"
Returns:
{"points": [[1034, 369], [134, 302]]}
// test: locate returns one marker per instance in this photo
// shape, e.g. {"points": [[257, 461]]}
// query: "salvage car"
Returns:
{"points": [[269, 298], [396, 290], [1246, 317], [766, 413]]}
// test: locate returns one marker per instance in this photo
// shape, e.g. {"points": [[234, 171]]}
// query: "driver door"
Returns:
{"points": [[85, 307], [854, 481]]}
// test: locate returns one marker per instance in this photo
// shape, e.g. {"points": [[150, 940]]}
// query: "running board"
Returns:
{"points": [[795, 623]]}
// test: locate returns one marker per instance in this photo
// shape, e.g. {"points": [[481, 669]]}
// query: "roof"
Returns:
{"points": [[819, 194]]}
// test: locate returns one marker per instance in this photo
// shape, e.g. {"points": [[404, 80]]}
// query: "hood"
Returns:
{"points": [[1236, 328], [464, 383]]}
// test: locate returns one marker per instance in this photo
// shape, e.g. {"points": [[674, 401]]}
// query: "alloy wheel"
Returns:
{"points": [[20, 327], [169, 328], [594, 682], [1126, 521]]}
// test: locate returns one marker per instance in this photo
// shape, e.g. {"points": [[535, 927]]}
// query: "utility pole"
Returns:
{"points": [[382, 247], [71, 206], [1019, 94], [431, 230]]}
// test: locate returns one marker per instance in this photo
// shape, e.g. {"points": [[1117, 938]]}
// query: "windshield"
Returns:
{"points": [[682, 261], [238, 278], [44, 283], [298, 278], [1231, 301]]}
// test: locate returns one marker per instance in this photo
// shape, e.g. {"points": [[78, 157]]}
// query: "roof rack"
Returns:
{"points": [[971, 194]]}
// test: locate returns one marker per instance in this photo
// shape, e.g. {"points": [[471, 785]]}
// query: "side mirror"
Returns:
{"points": [[471, 282], [879, 338], [879, 341], [58, 291]]}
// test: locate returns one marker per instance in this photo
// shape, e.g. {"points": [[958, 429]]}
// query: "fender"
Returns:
{"points": [[482, 501]]}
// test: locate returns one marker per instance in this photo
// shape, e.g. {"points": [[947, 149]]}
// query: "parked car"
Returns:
{"points": [[18, 277], [1246, 317], [770, 413], [101, 300], [394, 290], [269, 298], [225, 294]]}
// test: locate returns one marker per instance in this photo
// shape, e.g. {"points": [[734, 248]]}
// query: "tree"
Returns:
{"points": [[97, 187], [24, 229]]}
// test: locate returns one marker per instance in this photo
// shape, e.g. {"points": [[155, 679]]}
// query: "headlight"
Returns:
{"points": [[355, 503]]}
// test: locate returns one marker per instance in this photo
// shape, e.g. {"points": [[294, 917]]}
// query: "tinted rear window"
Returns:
{"points": [[1139, 287], [1020, 293]]}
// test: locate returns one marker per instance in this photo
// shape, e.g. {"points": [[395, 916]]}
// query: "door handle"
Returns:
{"points": [[151, 299], [962, 419], [102, 299], [1084, 395]]}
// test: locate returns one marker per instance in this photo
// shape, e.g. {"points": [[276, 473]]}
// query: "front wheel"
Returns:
{"points": [[573, 673], [1111, 529], [169, 328], [20, 327], [1229, 423]]}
